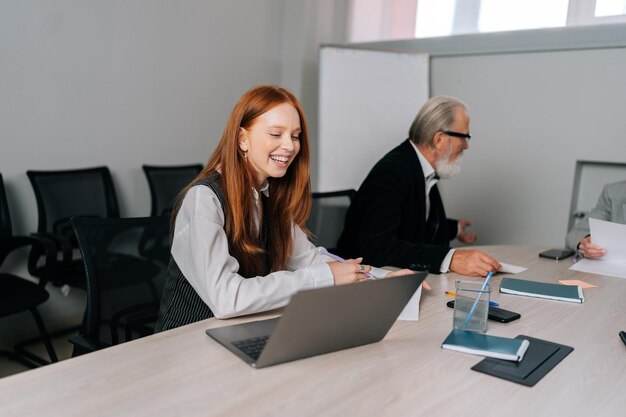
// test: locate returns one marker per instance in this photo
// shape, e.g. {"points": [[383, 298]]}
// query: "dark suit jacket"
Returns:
{"points": [[386, 224]]}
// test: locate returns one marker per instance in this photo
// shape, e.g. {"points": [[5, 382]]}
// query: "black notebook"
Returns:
{"points": [[539, 359]]}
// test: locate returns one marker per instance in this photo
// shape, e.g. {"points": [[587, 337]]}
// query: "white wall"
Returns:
{"points": [[309, 24], [381, 20], [128, 83], [125, 83], [122, 84]]}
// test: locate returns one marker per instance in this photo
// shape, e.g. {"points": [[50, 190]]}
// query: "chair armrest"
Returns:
{"points": [[40, 245], [60, 243]]}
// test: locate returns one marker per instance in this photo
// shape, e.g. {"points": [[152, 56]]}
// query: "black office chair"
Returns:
{"points": [[17, 294], [165, 183], [61, 195], [126, 267], [328, 214]]}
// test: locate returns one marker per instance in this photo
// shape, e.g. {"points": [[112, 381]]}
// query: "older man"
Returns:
{"points": [[397, 217]]}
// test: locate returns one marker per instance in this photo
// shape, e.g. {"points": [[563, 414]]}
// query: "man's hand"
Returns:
{"points": [[589, 250], [464, 236], [473, 263]]}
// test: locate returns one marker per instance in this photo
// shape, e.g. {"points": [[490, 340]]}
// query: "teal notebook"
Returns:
{"points": [[571, 293], [486, 345]]}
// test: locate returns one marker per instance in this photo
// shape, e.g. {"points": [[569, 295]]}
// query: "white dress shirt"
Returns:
{"points": [[430, 180], [200, 249]]}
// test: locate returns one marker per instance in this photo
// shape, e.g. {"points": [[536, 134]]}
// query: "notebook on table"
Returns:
{"points": [[573, 294], [322, 320], [486, 345]]}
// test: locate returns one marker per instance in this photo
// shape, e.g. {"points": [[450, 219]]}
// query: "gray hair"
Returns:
{"points": [[435, 115]]}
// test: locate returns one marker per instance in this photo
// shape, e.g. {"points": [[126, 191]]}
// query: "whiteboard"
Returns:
{"points": [[367, 102]]}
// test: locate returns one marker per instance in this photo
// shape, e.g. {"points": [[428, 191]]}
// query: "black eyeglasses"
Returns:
{"points": [[465, 136]]}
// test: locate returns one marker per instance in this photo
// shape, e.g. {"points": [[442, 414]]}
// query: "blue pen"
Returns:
{"points": [[471, 312], [340, 259], [491, 303]]}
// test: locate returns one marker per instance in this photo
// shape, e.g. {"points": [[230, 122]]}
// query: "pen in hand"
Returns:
{"points": [[340, 259]]}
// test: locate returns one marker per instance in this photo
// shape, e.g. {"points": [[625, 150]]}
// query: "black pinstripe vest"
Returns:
{"points": [[180, 304]]}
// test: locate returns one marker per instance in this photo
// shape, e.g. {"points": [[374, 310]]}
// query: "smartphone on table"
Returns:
{"points": [[557, 254], [496, 314]]}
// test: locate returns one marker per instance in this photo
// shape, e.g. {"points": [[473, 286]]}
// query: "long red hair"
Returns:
{"points": [[289, 196]]}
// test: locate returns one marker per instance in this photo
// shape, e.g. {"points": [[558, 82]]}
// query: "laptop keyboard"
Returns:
{"points": [[251, 347]]}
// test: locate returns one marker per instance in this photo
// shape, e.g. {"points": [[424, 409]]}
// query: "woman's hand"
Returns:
{"points": [[349, 272], [401, 272]]}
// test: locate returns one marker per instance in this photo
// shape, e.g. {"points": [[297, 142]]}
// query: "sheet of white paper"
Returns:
{"points": [[597, 266], [612, 237], [412, 310], [511, 269]]}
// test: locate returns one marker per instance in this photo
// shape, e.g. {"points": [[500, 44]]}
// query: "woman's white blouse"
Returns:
{"points": [[200, 248]]}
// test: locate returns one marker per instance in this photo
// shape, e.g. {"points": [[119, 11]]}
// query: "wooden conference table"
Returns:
{"points": [[184, 373]]}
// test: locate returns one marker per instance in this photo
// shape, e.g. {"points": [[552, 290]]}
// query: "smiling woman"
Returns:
{"points": [[239, 244], [272, 143]]}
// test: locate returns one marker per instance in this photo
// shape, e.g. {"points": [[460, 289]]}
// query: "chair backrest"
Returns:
{"points": [[126, 266], [6, 231], [328, 214], [166, 182], [77, 192]]}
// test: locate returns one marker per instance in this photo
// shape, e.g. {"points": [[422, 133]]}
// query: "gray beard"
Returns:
{"points": [[446, 168]]}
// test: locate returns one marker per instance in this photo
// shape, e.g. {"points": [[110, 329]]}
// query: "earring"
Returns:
{"points": [[243, 147]]}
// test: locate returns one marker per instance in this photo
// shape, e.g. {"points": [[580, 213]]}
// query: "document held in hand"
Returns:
{"points": [[486, 345], [573, 294], [610, 236]]}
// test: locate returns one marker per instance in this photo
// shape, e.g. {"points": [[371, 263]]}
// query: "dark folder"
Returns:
{"points": [[539, 359]]}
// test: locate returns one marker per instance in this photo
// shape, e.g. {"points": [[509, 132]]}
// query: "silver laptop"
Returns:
{"points": [[321, 321]]}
